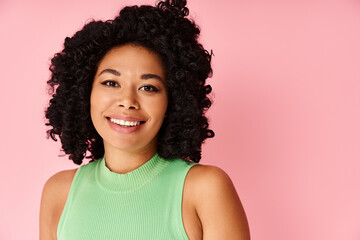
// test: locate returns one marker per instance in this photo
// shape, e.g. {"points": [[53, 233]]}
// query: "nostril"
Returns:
{"points": [[128, 106]]}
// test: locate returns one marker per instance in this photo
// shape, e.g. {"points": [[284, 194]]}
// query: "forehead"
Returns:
{"points": [[133, 57]]}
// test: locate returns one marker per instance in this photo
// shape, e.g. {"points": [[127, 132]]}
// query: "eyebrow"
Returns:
{"points": [[149, 75], [143, 76], [109, 70]]}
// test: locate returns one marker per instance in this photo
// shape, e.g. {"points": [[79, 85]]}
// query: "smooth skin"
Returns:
{"points": [[135, 86]]}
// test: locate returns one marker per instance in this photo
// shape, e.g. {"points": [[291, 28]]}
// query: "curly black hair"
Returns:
{"points": [[164, 29]]}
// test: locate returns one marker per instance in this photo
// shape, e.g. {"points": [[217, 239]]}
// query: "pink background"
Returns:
{"points": [[286, 113]]}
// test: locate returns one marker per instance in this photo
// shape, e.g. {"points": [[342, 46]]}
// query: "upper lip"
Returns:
{"points": [[126, 118]]}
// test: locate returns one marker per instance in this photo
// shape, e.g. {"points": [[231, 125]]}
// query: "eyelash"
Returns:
{"points": [[153, 89], [107, 83], [115, 84]]}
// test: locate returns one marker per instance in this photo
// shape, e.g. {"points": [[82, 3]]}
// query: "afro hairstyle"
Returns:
{"points": [[164, 29]]}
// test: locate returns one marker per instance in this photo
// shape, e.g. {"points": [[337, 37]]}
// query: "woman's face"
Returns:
{"points": [[129, 98]]}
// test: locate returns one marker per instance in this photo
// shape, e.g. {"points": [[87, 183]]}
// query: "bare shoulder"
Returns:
{"points": [[211, 180], [217, 203], [60, 179], [53, 199], [204, 173], [57, 187]]}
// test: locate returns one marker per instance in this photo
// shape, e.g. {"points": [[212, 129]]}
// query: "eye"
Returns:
{"points": [[149, 88], [110, 83]]}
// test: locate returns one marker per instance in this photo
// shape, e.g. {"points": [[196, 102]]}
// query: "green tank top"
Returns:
{"points": [[142, 204]]}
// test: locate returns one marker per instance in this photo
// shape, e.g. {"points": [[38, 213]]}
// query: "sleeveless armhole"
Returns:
{"points": [[67, 206], [182, 230]]}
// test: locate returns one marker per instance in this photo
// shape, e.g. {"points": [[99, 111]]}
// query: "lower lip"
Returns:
{"points": [[124, 130]]}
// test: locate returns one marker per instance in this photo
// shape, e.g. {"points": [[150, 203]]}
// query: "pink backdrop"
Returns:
{"points": [[286, 113]]}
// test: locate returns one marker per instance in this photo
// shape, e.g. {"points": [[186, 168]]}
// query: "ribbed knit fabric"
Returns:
{"points": [[142, 204]]}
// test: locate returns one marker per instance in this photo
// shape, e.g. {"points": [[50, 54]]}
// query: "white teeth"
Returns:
{"points": [[124, 123]]}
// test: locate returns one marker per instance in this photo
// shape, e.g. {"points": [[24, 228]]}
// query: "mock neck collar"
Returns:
{"points": [[131, 181]]}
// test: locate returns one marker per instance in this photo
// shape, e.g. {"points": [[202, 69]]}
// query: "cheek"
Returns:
{"points": [[93, 108], [165, 105], [93, 102], [160, 107], [156, 108], [99, 100], [98, 103]]}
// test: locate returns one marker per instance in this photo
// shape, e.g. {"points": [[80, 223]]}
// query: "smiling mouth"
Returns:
{"points": [[125, 123]]}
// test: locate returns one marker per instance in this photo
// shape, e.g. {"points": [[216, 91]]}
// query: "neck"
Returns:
{"points": [[120, 161]]}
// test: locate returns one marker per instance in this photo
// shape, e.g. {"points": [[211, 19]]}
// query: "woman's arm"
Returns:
{"points": [[53, 199], [217, 204]]}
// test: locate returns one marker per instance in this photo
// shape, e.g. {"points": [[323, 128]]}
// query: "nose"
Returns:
{"points": [[127, 99]]}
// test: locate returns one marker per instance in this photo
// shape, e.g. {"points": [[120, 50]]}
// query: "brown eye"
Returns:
{"points": [[149, 88], [110, 83]]}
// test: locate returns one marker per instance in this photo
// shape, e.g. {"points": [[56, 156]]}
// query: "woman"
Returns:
{"points": [[130, 95]]}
